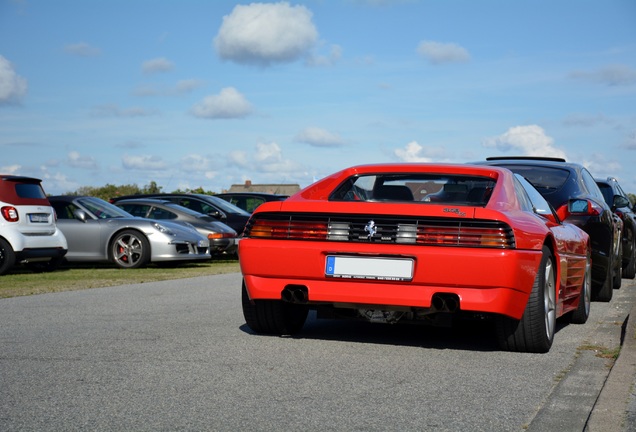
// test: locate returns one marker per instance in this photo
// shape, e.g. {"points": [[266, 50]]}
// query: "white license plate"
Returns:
{"points": [[39, 217], [394, 269]]}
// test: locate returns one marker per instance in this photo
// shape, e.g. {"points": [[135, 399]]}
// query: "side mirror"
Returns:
{"points": [[579, 206], [621, 201], [217, 215], [79, 215]]}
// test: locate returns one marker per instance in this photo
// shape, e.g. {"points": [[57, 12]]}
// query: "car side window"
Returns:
{"points": [[159, 213], [539, 205], [591, 185]]}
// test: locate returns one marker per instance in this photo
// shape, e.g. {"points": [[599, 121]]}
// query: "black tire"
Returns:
{"points": [[582, 313], [618, 272], [534, 332], [607, 290], [629, 271], [130, 249], [273, 316], [7, 256]]}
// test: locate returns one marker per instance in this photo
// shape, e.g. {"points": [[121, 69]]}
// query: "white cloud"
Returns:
{"points": [[143, 163], [439, 52], [601, 167], [10, 169], [12, 86], [268, 153], [318, 137], [528, 140], [614, 75], [82, 49], [227, 104], [266, 33], [78, 161], [238, 158], [161, 64], [412, 152]]}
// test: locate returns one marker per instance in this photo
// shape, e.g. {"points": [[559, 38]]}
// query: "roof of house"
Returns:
{"points": [[272, 188]]}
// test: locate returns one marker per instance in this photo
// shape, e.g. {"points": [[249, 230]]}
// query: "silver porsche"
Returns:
{"points": [[99, 231]]}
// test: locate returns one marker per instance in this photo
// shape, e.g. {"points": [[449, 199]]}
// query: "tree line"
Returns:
{"points": [[110, 190]]}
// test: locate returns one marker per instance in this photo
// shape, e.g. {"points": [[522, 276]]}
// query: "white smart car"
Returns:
{"points": [[28, 232]]}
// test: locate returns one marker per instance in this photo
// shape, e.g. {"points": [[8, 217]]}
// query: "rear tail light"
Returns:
{"points": [[288, 229], [10, 214], [221, 235], [466, 234]]}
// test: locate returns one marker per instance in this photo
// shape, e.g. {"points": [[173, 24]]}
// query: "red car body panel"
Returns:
{"points": [[485, 279]]}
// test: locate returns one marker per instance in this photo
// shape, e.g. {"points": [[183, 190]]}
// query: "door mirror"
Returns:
{"points": [[79, 215], [620, 201], [578, 206]]}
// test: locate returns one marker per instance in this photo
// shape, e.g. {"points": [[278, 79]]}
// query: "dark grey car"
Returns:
{"points": [[218, 208], [618, 200], [223, 239]]}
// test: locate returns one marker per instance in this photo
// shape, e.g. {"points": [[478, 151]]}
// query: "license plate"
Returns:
{"points": [[392, 269], [39, 217]]}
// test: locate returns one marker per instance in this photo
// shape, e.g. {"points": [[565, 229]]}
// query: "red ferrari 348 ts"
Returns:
{"points": [[416, 242]]}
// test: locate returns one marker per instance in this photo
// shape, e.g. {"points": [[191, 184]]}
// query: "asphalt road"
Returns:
{"points": [[177, 355]]}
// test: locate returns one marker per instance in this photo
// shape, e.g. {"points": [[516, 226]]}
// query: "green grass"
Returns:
{"points": [[21, 281]]}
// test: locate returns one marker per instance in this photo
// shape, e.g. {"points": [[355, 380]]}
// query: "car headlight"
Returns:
{"points": [[162, 229]]}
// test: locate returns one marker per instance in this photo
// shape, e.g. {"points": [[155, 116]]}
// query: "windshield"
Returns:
{"points": [[422, 188], [102, 209], [226, 206]]}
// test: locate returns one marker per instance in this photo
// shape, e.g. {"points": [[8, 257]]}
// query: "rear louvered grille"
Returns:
{"points": [[388, 230]]}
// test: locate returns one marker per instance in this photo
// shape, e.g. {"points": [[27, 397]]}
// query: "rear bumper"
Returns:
{"points": [[39, 254], [485, 280]]}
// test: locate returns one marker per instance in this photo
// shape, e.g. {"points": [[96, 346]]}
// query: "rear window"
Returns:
{"points": [[545, 179], [607, 191], [421, 188], [29, 190]]}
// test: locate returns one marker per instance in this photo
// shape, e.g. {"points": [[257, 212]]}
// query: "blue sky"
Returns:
{"points": [[208, 94]]}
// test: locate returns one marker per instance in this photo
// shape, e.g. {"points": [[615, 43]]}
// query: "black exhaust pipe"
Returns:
{"points": [[445, 302], [295, 294]]}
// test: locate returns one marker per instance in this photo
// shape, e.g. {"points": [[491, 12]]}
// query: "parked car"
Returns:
{"points": [[218, 208], [572, 191], [618, 200], [222, 238], [248, 201], [99, 231], [28, 233], [417, 242]]}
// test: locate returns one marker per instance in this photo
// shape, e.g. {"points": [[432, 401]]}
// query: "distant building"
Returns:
{"points": [[281, 189]]}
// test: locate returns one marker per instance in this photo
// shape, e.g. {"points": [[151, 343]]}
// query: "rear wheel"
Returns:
{"points": [[534, 332], [582, 312], [7, 256], [618, 271], [130, 249], [273, 316], [607, 290], [629, 271]]}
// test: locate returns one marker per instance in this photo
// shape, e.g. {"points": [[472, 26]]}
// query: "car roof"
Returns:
{"points": [[258, 194], [145, 200]]}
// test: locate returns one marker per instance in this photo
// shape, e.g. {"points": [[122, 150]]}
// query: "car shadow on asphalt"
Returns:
{"points": [[464, 334]]}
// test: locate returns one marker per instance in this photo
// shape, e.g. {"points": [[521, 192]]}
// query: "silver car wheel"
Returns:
{"points": [[549, 299]]}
